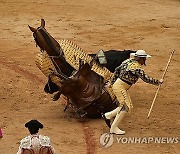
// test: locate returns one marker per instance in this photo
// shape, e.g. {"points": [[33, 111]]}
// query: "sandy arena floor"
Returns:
{"points": [[152, 25]]}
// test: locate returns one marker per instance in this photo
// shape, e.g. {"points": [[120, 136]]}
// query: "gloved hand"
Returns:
{"points": [[161, 81]]}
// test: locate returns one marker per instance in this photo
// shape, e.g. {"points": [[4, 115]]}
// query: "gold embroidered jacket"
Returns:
{"points": [[130, 71]]}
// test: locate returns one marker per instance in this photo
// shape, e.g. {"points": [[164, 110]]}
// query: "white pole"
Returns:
{"points": [[160, 84]]}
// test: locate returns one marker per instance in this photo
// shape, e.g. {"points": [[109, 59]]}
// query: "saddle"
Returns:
{"points": [[84, 87]]}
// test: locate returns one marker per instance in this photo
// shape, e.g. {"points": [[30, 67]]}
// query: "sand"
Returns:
{"points": [[93, 25]]}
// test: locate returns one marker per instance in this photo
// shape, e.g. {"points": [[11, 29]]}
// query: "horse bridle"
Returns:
{"points": [[51, 57], [35, 39]]}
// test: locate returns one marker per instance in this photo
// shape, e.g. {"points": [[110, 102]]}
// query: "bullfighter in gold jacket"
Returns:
{"points": [[124, 77]]}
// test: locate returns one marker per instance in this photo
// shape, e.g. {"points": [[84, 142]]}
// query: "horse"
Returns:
{"points": [[84, 87]]}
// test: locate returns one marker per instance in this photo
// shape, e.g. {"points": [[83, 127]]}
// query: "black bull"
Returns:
{"points": [[85, 89]]}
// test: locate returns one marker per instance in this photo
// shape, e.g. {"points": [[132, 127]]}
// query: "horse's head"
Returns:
{"points": [[45, 41]]}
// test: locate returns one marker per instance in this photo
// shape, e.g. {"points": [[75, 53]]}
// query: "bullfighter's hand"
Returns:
{"points": [[161, 81]]}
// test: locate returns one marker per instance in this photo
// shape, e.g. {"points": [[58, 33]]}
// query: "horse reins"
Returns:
{"points": [[53, 47]]}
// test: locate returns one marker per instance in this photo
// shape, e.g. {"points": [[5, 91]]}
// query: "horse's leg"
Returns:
{"points": [[67, 108], [50, 87]]}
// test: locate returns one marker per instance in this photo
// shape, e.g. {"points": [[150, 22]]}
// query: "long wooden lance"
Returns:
{"points": [[160, 84]]}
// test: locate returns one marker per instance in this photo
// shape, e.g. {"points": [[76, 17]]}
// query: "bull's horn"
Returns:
{"points": [[32, 29], [42, 23]]}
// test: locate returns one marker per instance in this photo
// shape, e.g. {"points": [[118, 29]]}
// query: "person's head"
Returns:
{"points": [[141, 56], [33, 126]]}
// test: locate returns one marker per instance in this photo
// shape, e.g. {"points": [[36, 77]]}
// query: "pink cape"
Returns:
{"points": [[1, 135]]}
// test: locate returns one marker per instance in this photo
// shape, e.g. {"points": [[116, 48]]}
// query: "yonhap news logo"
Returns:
{"points": [[107, 140], [147, 140]]}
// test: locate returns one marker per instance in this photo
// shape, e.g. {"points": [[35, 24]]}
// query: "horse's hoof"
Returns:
{"points": [[56, 96]]}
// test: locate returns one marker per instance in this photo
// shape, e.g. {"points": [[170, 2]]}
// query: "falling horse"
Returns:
{"points": [[75, 74]]}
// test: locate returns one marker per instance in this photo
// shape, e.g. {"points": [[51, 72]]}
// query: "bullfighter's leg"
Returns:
{"points": [[119, 117]]}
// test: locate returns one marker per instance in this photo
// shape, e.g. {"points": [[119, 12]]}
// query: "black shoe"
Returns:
{"points": [[107, 121]]}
